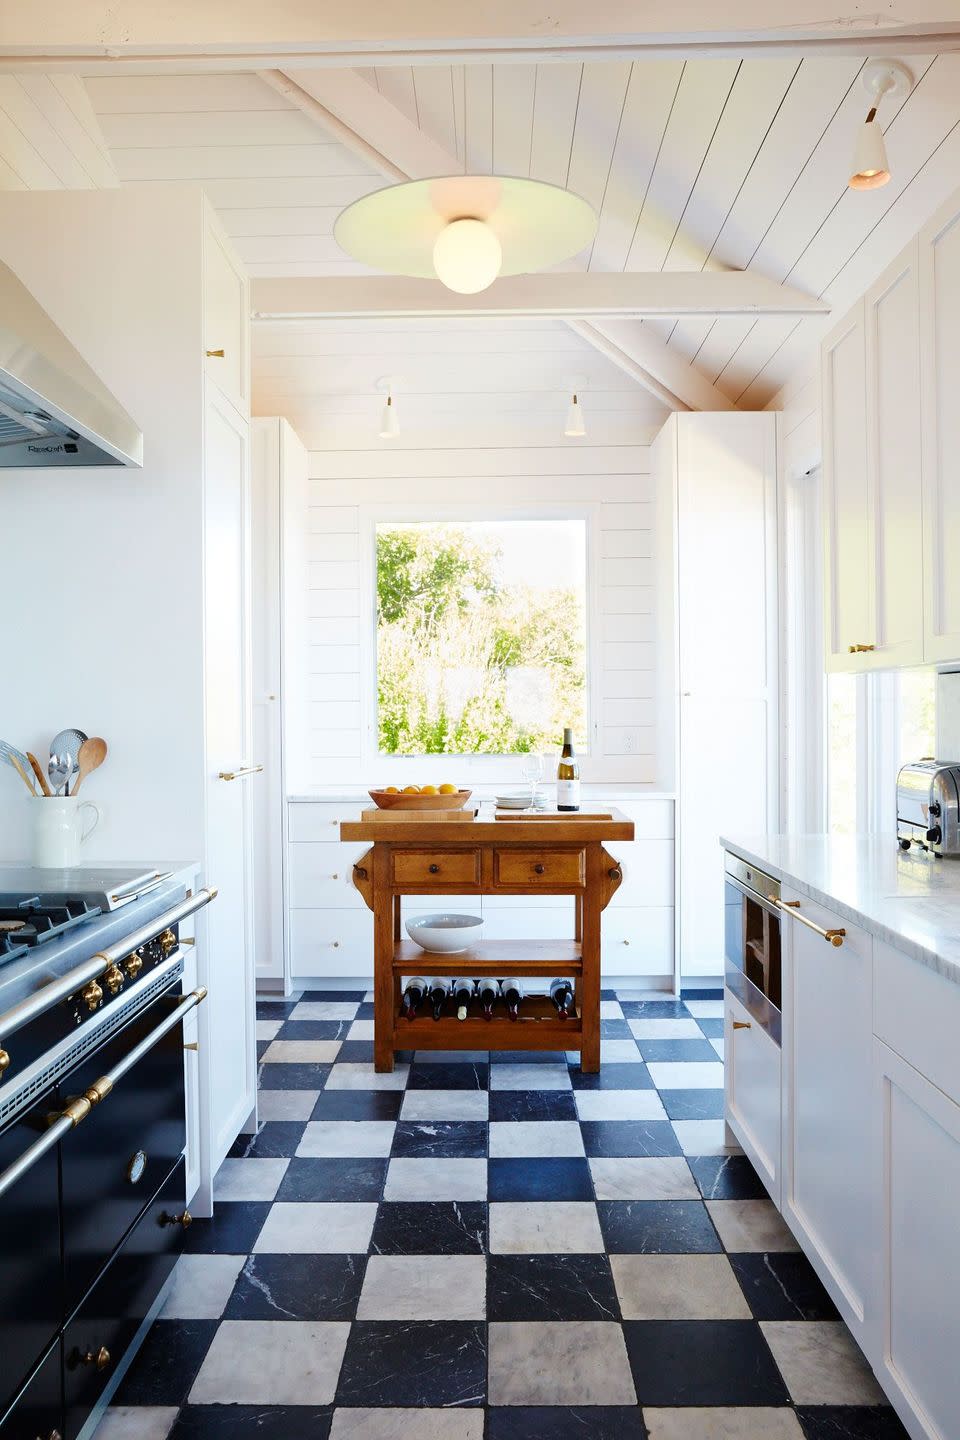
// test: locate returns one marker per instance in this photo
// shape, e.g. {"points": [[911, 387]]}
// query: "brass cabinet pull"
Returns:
{"points": [[215, 354], [742, 1025], [100, 1358], [191, 1045], [860, 649], [184, 1219], [792, 907], [241, 773]]}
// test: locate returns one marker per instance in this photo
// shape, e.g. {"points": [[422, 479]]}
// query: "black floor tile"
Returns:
{"points": [[534, 1179], [702, 1362], [782, 1285], [274, 1009], [528, 1057], [713, 1029], [659, 1050], [550, 1287], [252, 1422], [166, 1365], [440, 1139], [693, 1104], [657, 1227], [471, 1076], [436, 1363], [617, 1075], [629, 1137], [232, 1231], [850, 1422], [337, 997], [692, 993], [654, 1010], [430, 1227], [340, 1179], [726, 1177], [293, 1077], [358, 1105], [358, 1052], [297, 1287], [275, 1139], [532, 1105], [593, 1422], [262, 1047], [314, 1029]]}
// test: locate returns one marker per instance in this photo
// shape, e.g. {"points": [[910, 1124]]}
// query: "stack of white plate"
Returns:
{"points": [[514, 800]]}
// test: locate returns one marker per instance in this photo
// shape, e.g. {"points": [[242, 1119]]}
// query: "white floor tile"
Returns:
{"points": [[705, 1009], [644, 1029], [551, 1363], [678, 1287], [750, 1225], [201, 1286], [619, 1052], [361, 1030], [424, 1287], [349, 1076], [686, 1074], [520, 1138], [271, 1362], [325, 1010], [530, 1077], [268, 1029], [821, 1363], [445, 1105], [703, 1137], [301, 1052], [436, 1180], [664, 1177], [553, 1227], [454, 1424], [251, 1179], [610, 1010], [619, 1105], [331, 1139], [722, 1422], [317, 1228], [286, 1104], [718, 1046], [137, 1422]]}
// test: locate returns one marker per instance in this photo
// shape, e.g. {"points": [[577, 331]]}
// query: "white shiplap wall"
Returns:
{"points": [[613, 478]]}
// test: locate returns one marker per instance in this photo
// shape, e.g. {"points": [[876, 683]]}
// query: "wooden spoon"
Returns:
{"points": [[90, 756], [41, 778]]}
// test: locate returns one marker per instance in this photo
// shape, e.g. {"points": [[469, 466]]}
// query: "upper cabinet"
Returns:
{"points": [[226, 319], [890, 375], [940, 359]]}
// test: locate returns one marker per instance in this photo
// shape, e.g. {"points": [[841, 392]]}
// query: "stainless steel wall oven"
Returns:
{"points": [[752, 967]]}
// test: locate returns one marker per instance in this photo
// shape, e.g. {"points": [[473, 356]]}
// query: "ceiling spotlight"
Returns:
{"points": [[465, 230], [870, 167], [389, 427], [574, 426]]}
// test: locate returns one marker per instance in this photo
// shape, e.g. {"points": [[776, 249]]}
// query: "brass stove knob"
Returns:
{"points": [[184, 1220], [100, 1358], [113, 979], [91, 995], [133, 965], [4, 1062], [168, 943]]}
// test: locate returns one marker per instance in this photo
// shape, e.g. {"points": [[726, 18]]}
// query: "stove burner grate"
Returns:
{"points": [[29, 923]]}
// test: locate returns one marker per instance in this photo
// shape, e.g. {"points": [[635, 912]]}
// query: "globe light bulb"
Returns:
{"points": [[467, 256]]}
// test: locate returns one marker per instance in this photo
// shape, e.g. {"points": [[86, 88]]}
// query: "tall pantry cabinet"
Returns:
{"points": [[716, 498], [139, 582]]}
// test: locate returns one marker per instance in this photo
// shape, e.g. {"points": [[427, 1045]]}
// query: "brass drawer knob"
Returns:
{"points": [[100, 1358], [113, 979], [91, 995], [184, 1219]]}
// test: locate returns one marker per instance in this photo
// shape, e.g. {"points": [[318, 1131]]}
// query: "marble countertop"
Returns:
{"points": [[910, 900], [356, 795]]}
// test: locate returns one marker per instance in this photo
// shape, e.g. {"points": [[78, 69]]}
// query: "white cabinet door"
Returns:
{"points": [[940, 371], [848, 567], [752, 1083], [228, 1047], [917, 1338], [894, 515], [226, 319], [827, 1044]]}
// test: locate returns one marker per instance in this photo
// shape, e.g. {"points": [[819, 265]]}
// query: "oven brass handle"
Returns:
{"points": [[792, 907], [101, 1358], [241, 772]]}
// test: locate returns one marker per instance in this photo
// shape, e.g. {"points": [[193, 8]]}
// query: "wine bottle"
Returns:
{"points": [[462, 995], [561, 993], [568, 776], [489, 992], [512, 991], [439, 990], [413, 993]]}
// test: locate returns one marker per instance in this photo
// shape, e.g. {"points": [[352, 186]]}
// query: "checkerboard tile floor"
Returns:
{"points": [[494, 1248]]}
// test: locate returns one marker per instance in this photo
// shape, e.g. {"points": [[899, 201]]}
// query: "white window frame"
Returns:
{"points": [[476, 769]]}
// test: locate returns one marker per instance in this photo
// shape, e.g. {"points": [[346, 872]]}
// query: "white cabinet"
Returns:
{"points": [[940, 358], [917, 1180], [226, 320], [752, 1082], [716, 475], [827, 1042], [846, 492]]}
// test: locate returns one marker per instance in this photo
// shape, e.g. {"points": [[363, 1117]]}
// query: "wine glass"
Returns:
{"points": [[532, 773]]}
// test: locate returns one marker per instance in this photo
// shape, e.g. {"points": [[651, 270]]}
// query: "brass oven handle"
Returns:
{"points": [[243, 771], [792, 907], [77, 1111]]}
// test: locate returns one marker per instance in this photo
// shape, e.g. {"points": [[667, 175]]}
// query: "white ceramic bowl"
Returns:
{"points": [[444, 934]]}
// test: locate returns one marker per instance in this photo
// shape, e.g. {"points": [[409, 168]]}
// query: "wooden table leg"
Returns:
{"points": [[590, 950], [384, 1017]]}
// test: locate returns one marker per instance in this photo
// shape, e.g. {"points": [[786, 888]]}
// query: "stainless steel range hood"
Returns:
{"points": [[54, 411]]}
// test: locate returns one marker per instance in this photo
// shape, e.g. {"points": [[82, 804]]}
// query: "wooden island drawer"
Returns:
{"points": [[437, 868], [534, 867]]}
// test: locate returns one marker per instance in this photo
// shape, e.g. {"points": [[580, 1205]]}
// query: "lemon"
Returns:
{"points": [[428, 789], [410, 790], [448, 790], [391, 790]]}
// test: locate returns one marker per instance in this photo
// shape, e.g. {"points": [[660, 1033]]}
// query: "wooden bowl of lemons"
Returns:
{"points": [[420, 797]]}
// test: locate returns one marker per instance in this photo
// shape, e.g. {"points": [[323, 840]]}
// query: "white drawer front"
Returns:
{"points": [[331, 942], [647, 867], [321, 876], [319, 820], [752, 1075], [637, 941], [917, 1013]]}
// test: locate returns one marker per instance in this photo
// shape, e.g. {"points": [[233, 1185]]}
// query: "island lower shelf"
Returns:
{"points": [[525, 958]]}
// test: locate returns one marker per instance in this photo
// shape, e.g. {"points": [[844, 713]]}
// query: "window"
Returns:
{"points": [[844, 767], [481, 643]]}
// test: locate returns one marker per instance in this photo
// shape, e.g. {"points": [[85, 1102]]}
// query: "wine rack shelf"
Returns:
{"points": [[538, 1027]]}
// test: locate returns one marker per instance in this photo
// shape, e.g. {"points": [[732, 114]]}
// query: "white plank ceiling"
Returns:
{"points": [[705, 163]]}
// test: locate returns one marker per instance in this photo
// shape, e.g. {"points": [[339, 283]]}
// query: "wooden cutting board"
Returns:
{"points": [[420, 817]]}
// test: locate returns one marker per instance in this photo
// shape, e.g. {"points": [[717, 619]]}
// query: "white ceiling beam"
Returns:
{"points": [[585, 294], [650, 361], [230, 34]]}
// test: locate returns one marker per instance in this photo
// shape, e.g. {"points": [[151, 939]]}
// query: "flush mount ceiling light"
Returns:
{"points": [[465, 230], [870, 167], [389, 427]]}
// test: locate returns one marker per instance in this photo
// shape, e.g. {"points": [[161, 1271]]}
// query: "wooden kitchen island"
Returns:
{"points": [[559, 855]]}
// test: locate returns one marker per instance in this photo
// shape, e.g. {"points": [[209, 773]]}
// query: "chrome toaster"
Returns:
{"points": [[928, 807]]}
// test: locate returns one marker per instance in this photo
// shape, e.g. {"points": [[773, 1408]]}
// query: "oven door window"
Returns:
{"points": [[752, 955]]}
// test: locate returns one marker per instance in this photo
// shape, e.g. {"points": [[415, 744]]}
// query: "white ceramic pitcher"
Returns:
{"points": [[59, 830]]}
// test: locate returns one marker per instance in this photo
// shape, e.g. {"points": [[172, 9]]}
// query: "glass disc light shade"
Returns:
{"points": [[870, 168], [415, 228]]}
